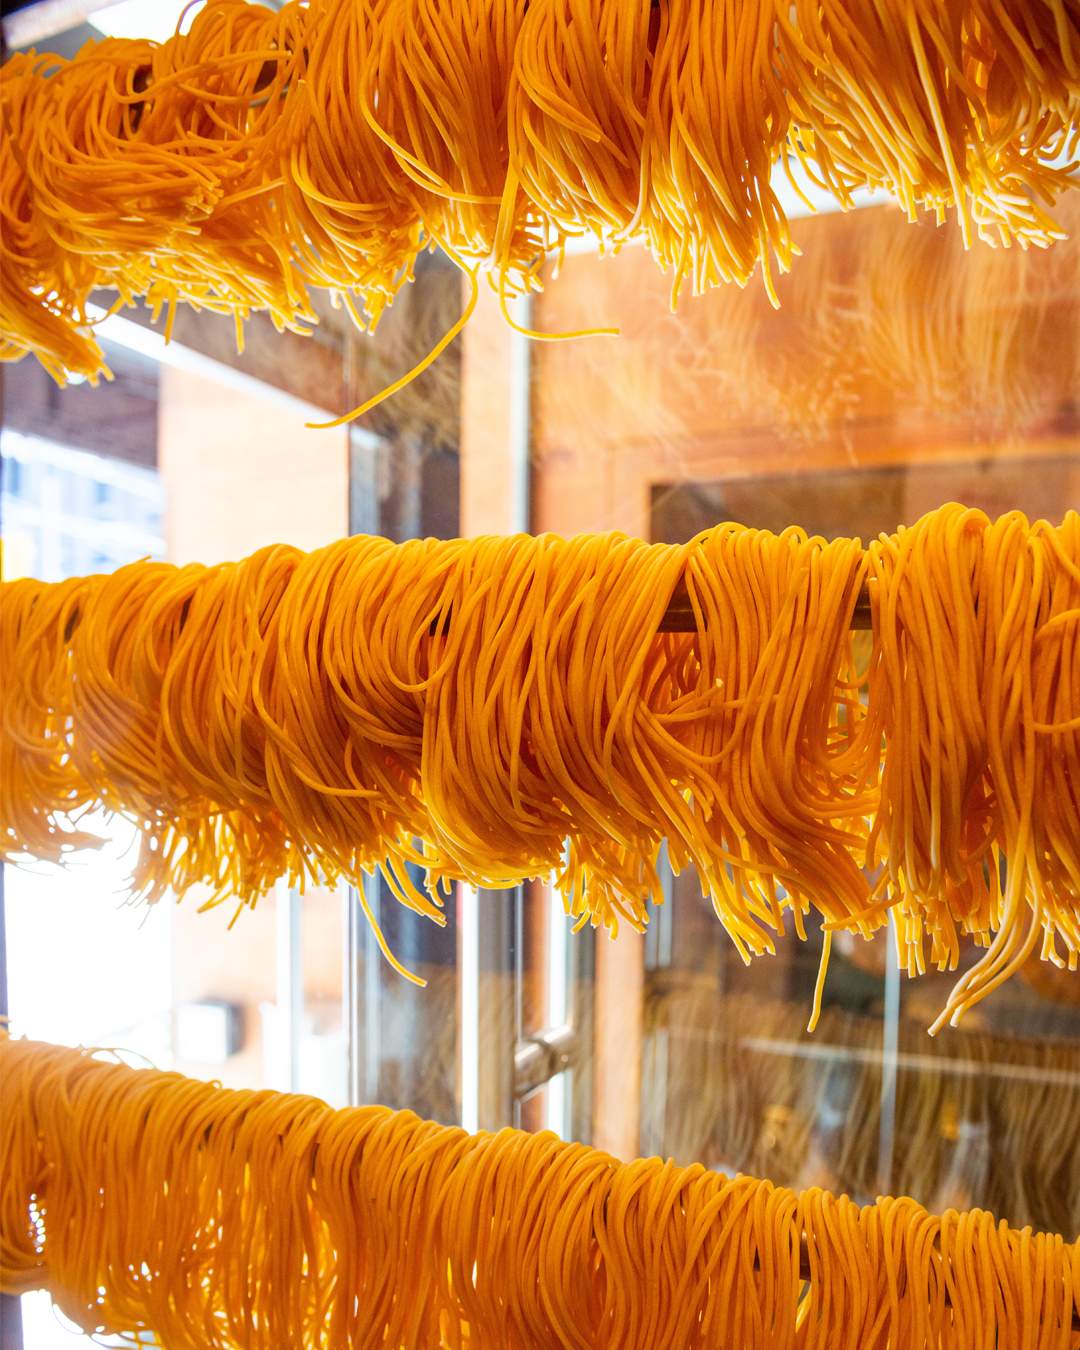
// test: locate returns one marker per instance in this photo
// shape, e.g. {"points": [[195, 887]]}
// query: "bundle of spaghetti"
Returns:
{"points": [[974, 686], [786, 746], [40, 787], [579, 106], [493, 709], [937, 799], [1030, 593], [979, 1116], [720, 116], [502, 709], [28, 259], [453, 60], [150, 1203], [266, 153], [964, 107]]}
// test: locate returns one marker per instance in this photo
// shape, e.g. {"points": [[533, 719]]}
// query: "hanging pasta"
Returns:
{"points": [[975, 686], [265, 154], [147, 1203], [514, 696], [936, 106], [39, 783], [501, 709]]}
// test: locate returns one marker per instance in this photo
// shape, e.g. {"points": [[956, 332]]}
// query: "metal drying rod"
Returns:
{"points": [[679, 615]]}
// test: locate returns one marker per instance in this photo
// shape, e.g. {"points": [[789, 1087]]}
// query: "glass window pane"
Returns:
{"points": [[898, 374]]}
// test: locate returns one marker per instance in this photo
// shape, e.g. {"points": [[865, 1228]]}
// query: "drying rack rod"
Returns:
{"points": [[679, 615]]}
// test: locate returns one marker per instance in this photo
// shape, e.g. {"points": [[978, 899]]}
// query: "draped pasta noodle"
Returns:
{"points": [[935, 105], [265, 154], [720, 115], [38, 781], [512, 696], [500, 709], [147, 1203], [784, 745], [974, 623], [578, 109]]}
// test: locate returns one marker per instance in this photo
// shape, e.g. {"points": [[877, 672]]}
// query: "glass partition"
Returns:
{"points": [[898, 374]]}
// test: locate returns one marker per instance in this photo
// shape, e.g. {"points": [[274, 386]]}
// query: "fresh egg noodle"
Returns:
{"points": [[975, 683], [268, 154], [506, 708], [149, 1203]]}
